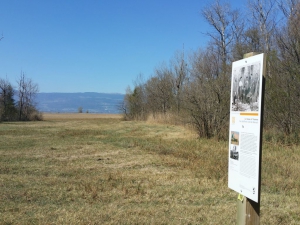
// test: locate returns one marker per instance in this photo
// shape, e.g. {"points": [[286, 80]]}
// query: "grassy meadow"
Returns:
{"points": [[98, 169]]}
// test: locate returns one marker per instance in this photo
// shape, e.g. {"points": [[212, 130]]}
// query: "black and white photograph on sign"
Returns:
{"points": [[234, 153], [245, 88]]}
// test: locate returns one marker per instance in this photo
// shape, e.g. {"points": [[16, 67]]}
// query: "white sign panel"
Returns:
{"points": [[245, 122]]}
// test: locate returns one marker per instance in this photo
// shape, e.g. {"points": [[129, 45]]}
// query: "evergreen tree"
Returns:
{"points": [[8, 109]]}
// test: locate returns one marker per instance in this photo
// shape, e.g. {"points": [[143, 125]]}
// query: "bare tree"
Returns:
{"points": [[224, 21], [209, 82], [264, 16], [26, 94], [249, 41], [80, 109], [135, 103], [288, 7], [284, 85], [159, 91], [180, 75], [208, 96]]}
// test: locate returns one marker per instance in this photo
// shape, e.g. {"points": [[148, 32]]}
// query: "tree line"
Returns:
{"points": [[17, 104], [195, 88]]}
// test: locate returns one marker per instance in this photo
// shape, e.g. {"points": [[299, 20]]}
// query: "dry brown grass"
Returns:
{"points": [[107, 171], [76, 116]]}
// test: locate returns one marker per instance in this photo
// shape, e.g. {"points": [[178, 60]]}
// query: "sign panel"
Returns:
{"points": [[245, 123]]}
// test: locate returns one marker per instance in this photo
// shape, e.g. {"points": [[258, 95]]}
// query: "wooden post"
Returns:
{"points": [[248, 211]]}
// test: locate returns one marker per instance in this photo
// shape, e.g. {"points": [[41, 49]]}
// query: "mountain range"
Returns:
{"points": [[91, 102]]}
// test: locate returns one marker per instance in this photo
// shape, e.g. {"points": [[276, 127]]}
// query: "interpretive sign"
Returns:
{"points": [[245, 126]]}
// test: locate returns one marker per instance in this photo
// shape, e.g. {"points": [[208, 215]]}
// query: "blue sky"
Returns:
{"points": [[95, 45]]}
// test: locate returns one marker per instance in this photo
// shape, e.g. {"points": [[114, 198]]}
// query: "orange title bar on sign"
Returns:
{"points": [[248, 114]]}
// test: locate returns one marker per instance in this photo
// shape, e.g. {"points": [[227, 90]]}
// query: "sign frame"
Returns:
{"points": [[245, 127]]}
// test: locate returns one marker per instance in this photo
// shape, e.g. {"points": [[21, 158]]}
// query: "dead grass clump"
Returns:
{"points": [[82, 116], [166, 118]]}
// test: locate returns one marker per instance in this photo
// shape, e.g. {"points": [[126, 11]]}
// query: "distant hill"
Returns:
{"points": [[70, 102]]}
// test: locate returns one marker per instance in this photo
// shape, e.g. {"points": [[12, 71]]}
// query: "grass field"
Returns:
{"points": [[97, 169]]}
